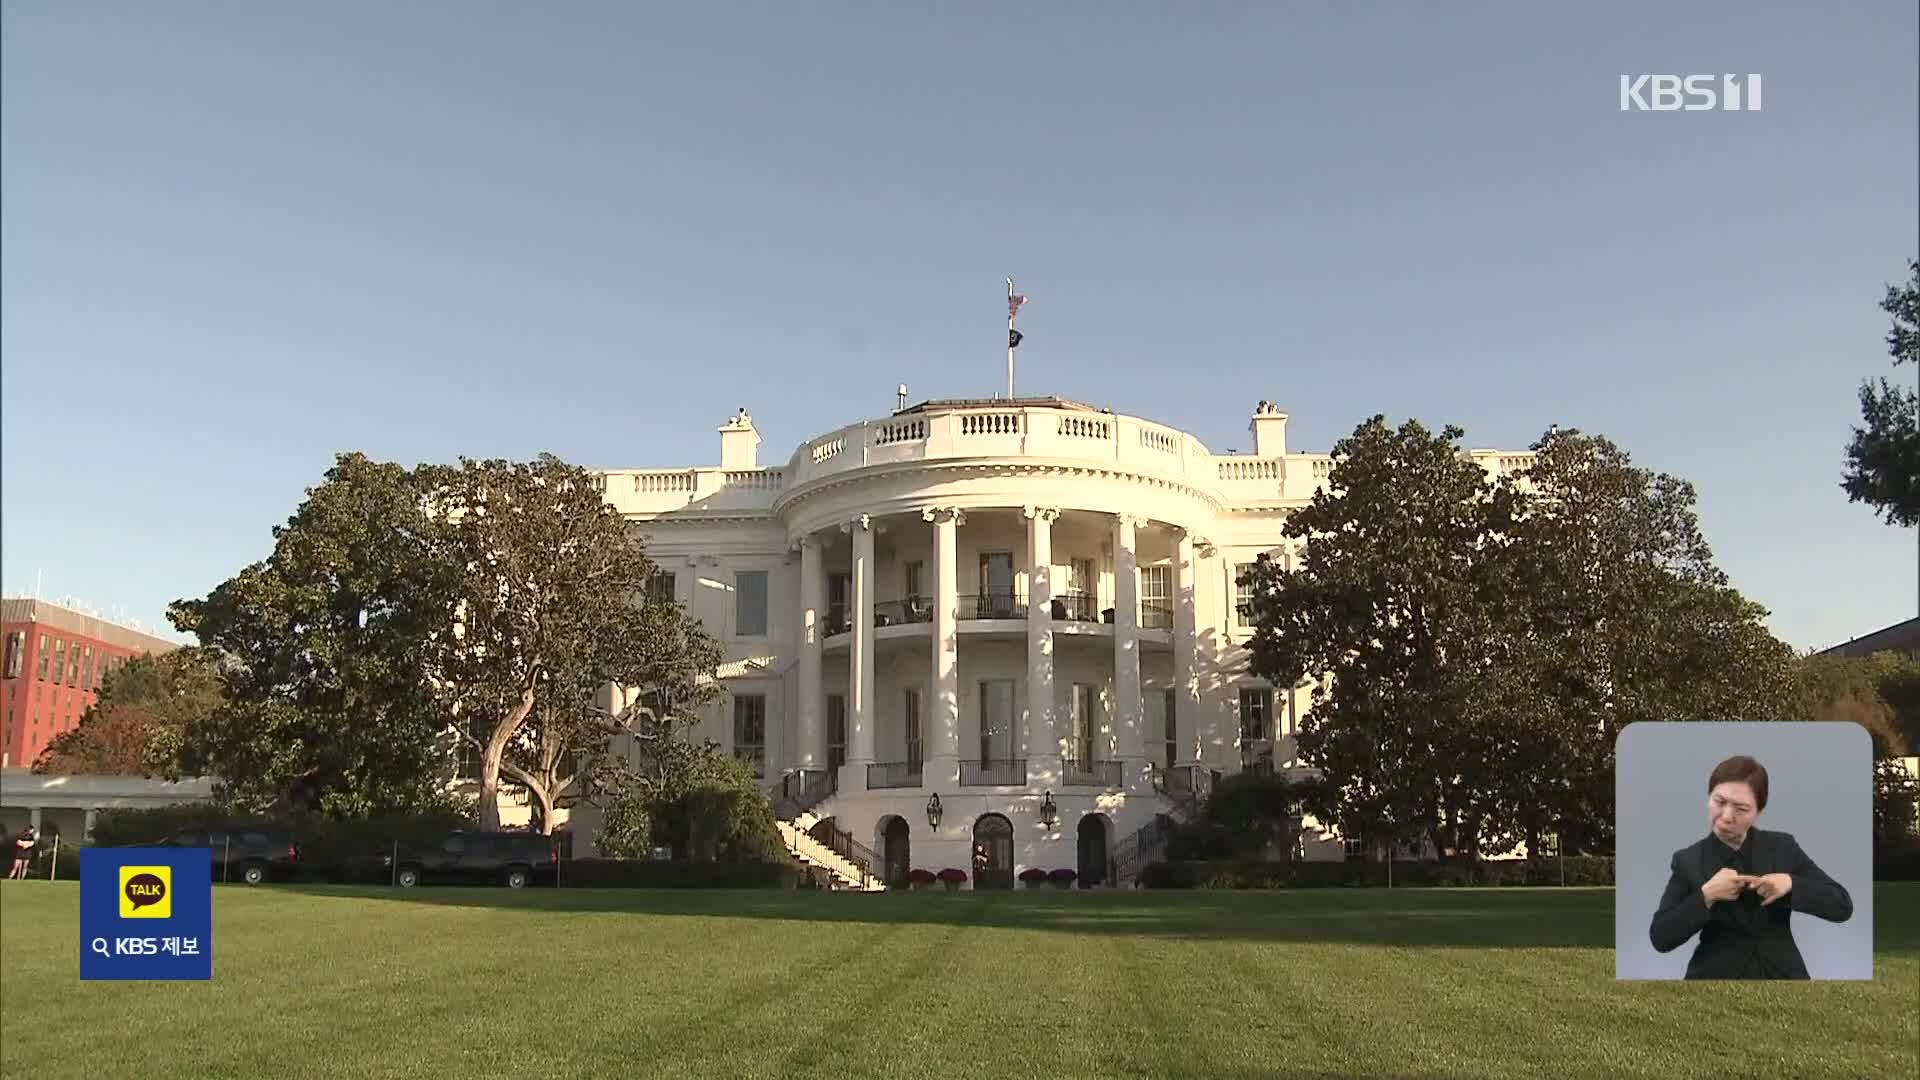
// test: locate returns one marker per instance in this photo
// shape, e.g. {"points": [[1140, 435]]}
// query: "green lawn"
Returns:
{"points": [[549, 984]]}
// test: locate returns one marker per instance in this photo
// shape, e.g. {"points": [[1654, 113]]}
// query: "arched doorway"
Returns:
{"points": [[896, 851], [992, 852], [1096, 831]]}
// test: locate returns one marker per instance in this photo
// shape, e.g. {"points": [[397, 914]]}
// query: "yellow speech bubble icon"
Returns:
{"points": [[146, 892]]}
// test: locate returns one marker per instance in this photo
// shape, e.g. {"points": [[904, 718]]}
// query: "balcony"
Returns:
{"points": [[1005, 772], [914, 609], [1078, 772], [994, 605], [1155, 616], [893, 774], [1075, 607]]}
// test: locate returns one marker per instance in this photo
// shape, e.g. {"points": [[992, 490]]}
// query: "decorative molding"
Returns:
{"points": [[1032, 469], [1044, 513], [953, 513], [861, 521]]}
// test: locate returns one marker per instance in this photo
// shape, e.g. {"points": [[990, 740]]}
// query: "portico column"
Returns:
{"points": [[860, 674], [93, 815], [1042, 742], [1186, 679], [942, 769], [1126, 644], [812, 600]]}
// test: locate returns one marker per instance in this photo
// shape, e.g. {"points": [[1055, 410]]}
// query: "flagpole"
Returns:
{"points": [[1010, 310]]}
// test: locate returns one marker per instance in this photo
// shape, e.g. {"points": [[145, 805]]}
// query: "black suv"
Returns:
{"points": [[249, 853], [514, 859]]}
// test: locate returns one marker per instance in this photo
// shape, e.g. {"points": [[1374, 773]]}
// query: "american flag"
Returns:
{"points": [[1013, 305]]}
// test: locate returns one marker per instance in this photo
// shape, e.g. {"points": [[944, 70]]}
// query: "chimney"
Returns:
{"points": [[1269, 429], [902, 395], [739, 444]]}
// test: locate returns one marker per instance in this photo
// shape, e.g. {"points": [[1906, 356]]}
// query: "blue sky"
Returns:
{"points": [[239, 238]]}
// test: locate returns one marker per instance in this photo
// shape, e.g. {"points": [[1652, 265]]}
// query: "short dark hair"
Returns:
{"points": [[1742, 769]]}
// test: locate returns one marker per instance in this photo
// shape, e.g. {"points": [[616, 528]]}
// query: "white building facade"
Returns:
{"points": [[1023, 612]]}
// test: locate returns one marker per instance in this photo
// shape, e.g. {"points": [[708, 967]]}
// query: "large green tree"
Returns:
{"points": [[329, 704], [551, 605], [1883, 456], [138, 723]]}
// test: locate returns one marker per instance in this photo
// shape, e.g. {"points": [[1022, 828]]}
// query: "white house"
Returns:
{"points": [[1020, 610]]}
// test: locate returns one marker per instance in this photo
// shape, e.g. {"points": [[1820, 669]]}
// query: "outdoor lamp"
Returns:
{"points": [[1049, 813], [933, 810]]}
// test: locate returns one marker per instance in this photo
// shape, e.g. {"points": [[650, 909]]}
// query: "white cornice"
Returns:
{"points": [[995, 467]]}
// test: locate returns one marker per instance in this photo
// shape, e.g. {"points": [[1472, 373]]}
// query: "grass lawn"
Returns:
{"points": [[584, 983]]}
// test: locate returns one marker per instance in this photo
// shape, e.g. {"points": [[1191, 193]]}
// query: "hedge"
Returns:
{"points": [[664, 874], [1249, 874], [1897, 864]]}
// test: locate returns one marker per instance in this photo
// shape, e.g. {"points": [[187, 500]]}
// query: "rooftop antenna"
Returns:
{"points": [[902, 394]]}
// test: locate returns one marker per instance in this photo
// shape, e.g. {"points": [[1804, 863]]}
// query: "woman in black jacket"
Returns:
{"points": [[1739, 887]]}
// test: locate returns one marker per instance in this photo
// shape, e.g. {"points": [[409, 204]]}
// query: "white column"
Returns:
{"points": [[812, 602], [1186, 677], [93, 815], [1126, 644], [1042, 742], [860, 674], [943, 704]]}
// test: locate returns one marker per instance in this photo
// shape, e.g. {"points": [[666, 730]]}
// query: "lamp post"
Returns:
{"points": [[933, 810], [1049, 813]]}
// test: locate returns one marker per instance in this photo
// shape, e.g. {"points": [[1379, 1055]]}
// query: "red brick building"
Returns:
{"points": [[55, 659]]}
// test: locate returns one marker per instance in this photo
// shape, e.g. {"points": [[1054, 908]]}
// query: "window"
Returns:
{"points": [[1165, 726], [42, 672], [996, 721], [1156, 597], [1243, 593], [1256, 728], [839, 606], [59, 661], [660, 590], [73, 665], [915, 575], [836, 730], [750, 730], [996, 585], [16, 653], [1080, 577], [1085, 723], [915, 749], [750, 603], [86, 670]]}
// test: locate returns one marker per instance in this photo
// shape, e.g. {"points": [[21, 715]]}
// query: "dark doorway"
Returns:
{"points": [[1094, 830], [896, 852], [823, 831], [992, 852]]}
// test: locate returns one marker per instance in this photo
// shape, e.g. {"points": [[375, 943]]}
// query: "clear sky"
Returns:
{"points": [[239, 238]]}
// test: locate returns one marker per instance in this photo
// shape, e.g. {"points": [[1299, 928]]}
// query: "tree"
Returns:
{"points": [[1874, 691], [137, 725], [329, 703], [1883, 457], [550, 605]]}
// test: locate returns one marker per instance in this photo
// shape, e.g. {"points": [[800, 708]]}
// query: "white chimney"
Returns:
{"points": [[902, 395], [739, 444], [1269, 429]]}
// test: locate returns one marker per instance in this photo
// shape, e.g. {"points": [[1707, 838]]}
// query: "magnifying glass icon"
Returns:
{"points": [[100, 946]]}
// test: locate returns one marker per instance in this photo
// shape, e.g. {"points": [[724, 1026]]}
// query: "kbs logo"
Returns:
{"points": [[146, 892], [1689, 93]]}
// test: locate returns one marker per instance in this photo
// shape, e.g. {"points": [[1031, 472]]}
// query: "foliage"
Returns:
{"points": [[645, 874], [1475, 646], [328, 697], [705, 806], [1246, 815], [329, 847], [1880, 692], [551, 605], [1883, 455], [1258, 874], [626, 828], [953, 875], [137, 724], [1896, 801]]}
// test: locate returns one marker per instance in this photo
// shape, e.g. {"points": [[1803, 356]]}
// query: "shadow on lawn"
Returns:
{"points": [[1416, 918]]}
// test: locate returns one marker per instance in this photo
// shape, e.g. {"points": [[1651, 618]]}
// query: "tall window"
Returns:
{"points": [[41, 673], [836, 730], [750, 731], [911, 716], [86, 670], [1243, 593], [1080, 577], [1156, 597], [996, 721], [1160, 726], [59, 661], [915, 579], [1256, 727], [996, 584], [839, 603], [750, 603], [1086, 708], [73, 665], [1172, 728], [16, 653], [661, 590]]}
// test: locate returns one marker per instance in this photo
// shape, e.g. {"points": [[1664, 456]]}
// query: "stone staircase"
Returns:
{"points": [[845, 874]]}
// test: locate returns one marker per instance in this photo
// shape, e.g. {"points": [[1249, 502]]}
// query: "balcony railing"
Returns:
{"points": [[993, 605], [802, 790], [1074, 607], [1077, 772], [914, 609], [893, 774], [1155, 617], [994, 773]]}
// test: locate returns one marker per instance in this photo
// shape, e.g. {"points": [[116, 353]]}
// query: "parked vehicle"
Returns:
{"points": [[513, 859], [253, 854]]}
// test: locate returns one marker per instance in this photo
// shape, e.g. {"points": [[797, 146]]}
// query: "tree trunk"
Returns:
{"points": [[491, 760], [544, 797]]}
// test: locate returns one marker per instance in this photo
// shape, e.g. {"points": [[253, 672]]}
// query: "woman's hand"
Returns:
{"points": [[1772, 887], [1724, 885]]}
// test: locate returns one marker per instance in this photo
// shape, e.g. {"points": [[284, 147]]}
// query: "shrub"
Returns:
{"points": [[952, 876], [1062, 877], [662, 874], [922, 878], [1033, 875], [1255, 874], [1889, 863]]}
